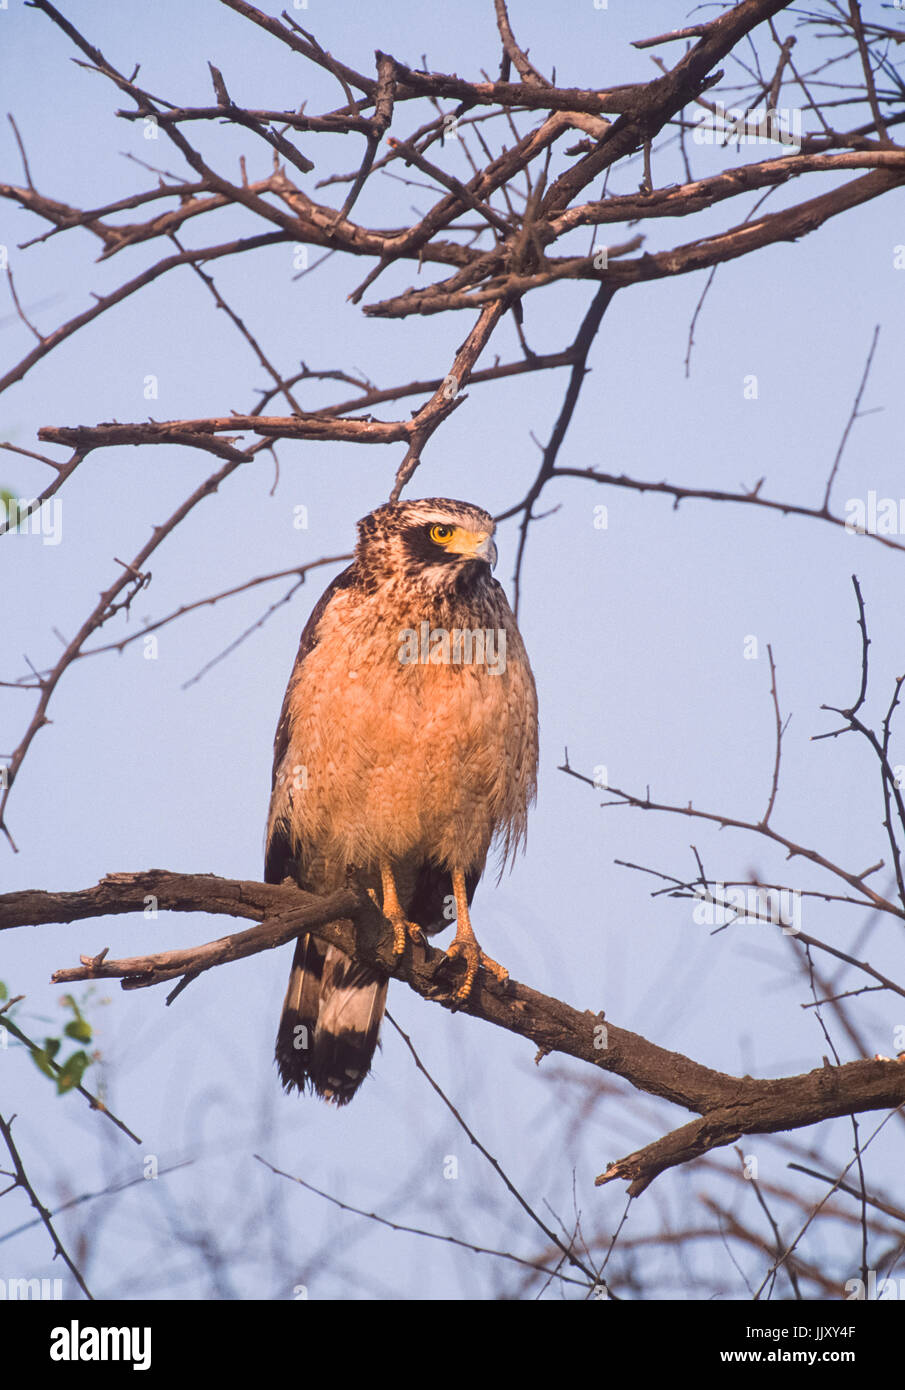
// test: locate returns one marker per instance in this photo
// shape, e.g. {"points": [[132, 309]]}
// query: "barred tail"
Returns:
{"points": [[330, 1022]]}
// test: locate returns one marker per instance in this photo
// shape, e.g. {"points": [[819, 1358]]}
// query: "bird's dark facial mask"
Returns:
{"points": [[439, 541]]}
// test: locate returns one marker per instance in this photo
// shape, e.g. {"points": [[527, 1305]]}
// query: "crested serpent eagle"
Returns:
{"points": [[407, 744]]}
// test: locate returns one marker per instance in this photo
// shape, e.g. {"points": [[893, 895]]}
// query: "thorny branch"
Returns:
{"points": [[728, 1106], [492, 268], [19, 1178], [490, 243]]}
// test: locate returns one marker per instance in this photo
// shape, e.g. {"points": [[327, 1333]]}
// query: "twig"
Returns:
{"points": [[20, 1179], [419, 1231], [553, 1238], [94, 1101], [853, 416]]}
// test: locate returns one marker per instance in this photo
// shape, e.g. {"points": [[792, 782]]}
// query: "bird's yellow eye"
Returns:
{"points": [[442, 535]]}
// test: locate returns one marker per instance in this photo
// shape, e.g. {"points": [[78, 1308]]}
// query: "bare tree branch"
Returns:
{"points": [[729, 1106]]}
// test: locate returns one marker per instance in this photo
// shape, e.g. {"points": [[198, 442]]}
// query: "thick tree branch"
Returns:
{"points": [[729, 1106]]}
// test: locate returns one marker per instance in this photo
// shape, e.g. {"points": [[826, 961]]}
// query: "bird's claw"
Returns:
{"points": [[402, 927], [474, 957]]}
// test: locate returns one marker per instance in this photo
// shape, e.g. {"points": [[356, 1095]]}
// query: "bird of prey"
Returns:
{"points": [[406, 745]]}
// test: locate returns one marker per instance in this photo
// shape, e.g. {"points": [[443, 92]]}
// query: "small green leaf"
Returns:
{"points": [[42, 1062], [72, 1071], [80, 1029]]}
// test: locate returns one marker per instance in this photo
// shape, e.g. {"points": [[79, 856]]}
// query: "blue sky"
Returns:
{"points": [[636, 634]]}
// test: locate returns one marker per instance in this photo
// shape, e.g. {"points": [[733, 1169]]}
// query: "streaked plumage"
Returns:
{"points": [[403, 756]]}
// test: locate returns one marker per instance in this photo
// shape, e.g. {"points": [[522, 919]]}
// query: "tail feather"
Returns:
{"points": [[330, 1022]]}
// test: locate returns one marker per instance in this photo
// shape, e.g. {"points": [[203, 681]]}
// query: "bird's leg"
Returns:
{"points": [[466, 943], [392, 910]]}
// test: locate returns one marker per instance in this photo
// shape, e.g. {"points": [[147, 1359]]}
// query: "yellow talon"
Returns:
{"points": [[392, 911], [474, 957], [466, 943]]}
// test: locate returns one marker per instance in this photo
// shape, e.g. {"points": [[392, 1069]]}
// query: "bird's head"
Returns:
{"points": [[435, 542]]}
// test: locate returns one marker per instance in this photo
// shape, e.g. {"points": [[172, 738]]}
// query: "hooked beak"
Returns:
{"points": [[486, 550], [474, 545]]}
